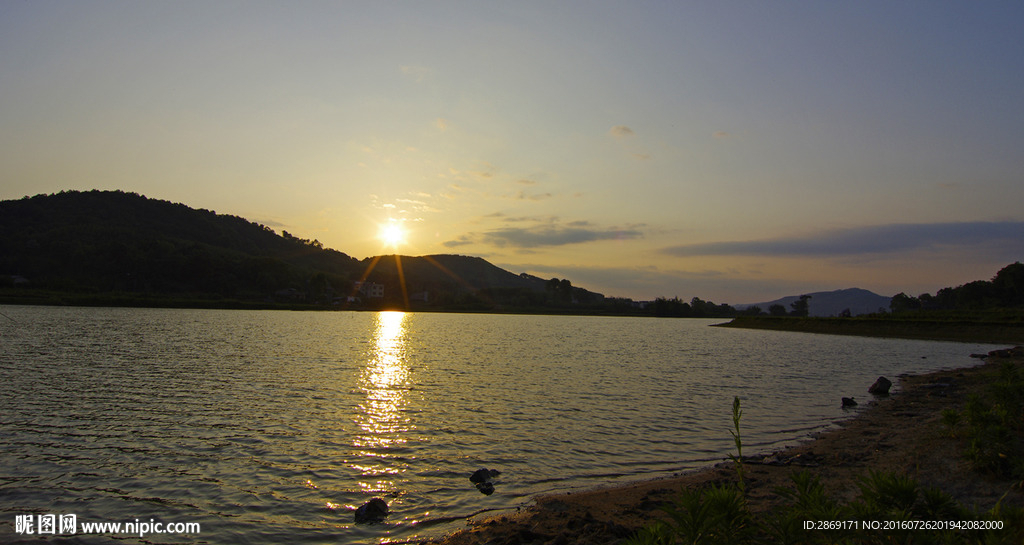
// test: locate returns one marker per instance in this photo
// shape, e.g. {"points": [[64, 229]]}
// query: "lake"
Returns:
{"points": [[272, 426]]}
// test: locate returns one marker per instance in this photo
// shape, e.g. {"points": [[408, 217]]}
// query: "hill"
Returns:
{"points": [[113, 246], [434, 272], [832, 303], [112, 241]]}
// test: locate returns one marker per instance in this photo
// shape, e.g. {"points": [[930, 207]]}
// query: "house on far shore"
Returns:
{"points": [[421, 296], [13, 279], [370, 290], [289, 294]]}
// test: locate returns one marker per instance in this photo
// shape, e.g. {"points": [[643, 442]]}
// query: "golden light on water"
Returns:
{"points": [[385, 382]]}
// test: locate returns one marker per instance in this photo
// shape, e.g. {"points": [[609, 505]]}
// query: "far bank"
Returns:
{"points": [[902, 328]]}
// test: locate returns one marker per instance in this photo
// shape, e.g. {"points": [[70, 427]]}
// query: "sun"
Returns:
{"points": [[392, 234]]}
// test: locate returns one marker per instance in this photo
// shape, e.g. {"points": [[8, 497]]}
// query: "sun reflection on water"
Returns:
{"points": [[385, 381]]}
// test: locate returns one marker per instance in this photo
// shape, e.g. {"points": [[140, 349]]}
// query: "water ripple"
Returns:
{"points": [[273, 426]]}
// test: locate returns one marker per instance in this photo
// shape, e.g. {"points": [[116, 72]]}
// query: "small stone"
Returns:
{"points": [[372, 511], [849, 402], [880, 387], [480, 476]]}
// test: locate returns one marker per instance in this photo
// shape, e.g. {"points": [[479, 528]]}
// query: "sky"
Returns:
{"points": [[733, 151]]}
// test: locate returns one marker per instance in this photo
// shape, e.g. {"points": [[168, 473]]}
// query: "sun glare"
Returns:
{"points": [[392, 234]]}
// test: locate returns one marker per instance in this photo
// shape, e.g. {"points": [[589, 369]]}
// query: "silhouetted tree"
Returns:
{"points": [[902, 302], [976, 295], [753, 311], [801, 307], [1009, 285], [927, 301], [671, 307], [777, 310]]}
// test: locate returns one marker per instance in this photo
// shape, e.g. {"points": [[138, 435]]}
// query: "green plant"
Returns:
{"points": [[951, 418], [720, 514], [806, 501], [714, 515], [994, 425], [656, 533], [888, 494], [738, 458]]}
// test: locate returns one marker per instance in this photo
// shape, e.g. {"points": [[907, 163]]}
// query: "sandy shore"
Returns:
{"points": [[901, 433]]}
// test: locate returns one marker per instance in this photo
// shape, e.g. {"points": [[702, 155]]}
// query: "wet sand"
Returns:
{"points": [[901, 433]]}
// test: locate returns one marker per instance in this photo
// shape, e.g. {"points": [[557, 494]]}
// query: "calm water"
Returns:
{"points": [[271, 426]]}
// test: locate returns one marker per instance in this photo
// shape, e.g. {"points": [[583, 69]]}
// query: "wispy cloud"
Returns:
{"points": [[523, 195], [549, 233], [621, 131], [463, 240], [271, 223], [876, 239], [538, 236]]}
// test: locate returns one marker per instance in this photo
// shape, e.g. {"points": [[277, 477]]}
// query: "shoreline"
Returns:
{"points": [[901, 433], [971, 331]]}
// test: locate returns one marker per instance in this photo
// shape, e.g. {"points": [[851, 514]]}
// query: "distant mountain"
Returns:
{"points": [[103, 242], [448, 271], [832, 303]]}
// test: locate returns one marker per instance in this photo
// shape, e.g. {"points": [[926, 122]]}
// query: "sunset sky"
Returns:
{"points": [[735, 151]]}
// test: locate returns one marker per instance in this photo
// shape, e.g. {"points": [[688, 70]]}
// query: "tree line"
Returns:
{"points": [[1004, 291]]}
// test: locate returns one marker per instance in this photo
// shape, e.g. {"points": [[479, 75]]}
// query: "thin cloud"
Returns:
{"points": [[535, 237], [719, 135], [545, 234], [271, 223], [441, 124], [518, 219], [524, 196], [877, 239], [621, 131], [460, 241]]}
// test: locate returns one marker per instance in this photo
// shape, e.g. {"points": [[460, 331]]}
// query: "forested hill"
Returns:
{"points": [[439, 272], [105, 241], [113, 242]]}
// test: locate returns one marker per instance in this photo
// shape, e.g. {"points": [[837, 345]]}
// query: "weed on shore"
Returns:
{"points": [[890, 508]]}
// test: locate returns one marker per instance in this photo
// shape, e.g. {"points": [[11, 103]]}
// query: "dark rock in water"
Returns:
{"points": [[1015, 352], [372, 511], [480, 476], [482, 479], [849, 402], [979, 356], [880, 387], [483, 475]]}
